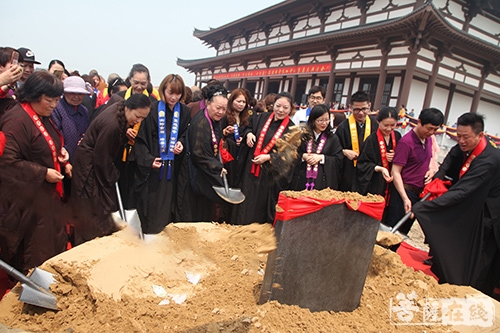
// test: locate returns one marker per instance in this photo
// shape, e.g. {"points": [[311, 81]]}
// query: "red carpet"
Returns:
{"points": [[413, 257]]}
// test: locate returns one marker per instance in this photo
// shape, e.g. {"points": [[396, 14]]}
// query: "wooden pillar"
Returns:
{"points": [[266, 86], [477, 94], [244, 83], [411, 63], [351, 85], [451, 92], [226, 84], [331, 77], [438, 54], [293, 88], [382, 77]]}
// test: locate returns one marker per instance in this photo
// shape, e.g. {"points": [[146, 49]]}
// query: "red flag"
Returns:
{"points": [[225, 154], [436, 188]]}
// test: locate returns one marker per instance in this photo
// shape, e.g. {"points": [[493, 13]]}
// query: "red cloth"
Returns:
{"points": [[436, 188], [373, 209], [2, 142], [295, 207], [413, 257], [4, 284], [225, 154]]}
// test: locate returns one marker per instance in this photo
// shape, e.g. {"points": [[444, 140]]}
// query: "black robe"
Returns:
{"points": [[32, 216], [93, 190], [344, 134], [197, 204], [328, 173], [155, 196], [261, 192], [367, 180], [233, 176], [462, 226]]}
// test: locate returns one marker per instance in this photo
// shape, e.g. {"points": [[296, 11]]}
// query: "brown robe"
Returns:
{"points": [[93, 191], [32, 216]]}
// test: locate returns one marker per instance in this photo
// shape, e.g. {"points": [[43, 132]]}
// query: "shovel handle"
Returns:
{"points": [[18, 275], [407, 216]]}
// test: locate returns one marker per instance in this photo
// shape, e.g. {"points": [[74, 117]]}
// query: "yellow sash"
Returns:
{"points": [[136, 127], [354, 132]]}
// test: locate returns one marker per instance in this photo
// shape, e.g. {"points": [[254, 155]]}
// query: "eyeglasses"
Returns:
{"points": [[322, 121], [316, 98], [358, 110]]}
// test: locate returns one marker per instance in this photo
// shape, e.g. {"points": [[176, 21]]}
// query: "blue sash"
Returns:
{"points": [[236, 132], [308, 111], [167, 154]]}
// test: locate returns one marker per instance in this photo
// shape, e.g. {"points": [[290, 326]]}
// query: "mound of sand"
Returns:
{"points": [[116, 284]]}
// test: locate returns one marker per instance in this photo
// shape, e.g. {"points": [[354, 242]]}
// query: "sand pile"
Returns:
{"points": [[106, 285]]}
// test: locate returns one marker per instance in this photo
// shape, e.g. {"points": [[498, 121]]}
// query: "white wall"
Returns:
{"points": [[439, 99], [459, 105], [492, 117], [416, 96]]}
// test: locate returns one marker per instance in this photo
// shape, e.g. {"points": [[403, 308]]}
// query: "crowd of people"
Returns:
{"points": [[68, 140]]}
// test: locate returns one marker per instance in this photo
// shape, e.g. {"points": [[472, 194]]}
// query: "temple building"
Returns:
{"points": [[439, 53]]}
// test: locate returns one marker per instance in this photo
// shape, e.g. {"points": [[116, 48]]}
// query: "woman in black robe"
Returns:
{"points": [[158, 155], [202, 168], [93, 188], [260, 181], [234, 124], [373, 171], [32, 215], [321, 154]]}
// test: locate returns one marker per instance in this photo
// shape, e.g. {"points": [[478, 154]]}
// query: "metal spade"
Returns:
{"points": [[35, 288], [232, 195]]}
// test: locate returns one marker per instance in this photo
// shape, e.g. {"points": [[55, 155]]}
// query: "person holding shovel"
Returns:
{"points": [[410, 167], [462, 226], [203, 167]]}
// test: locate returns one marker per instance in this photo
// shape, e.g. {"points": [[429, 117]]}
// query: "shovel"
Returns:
{"points": [[398, 225], [232, 195], [129, 216], [35, 289]]}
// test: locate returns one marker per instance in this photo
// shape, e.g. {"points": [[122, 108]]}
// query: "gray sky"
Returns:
{"points": [[112, 35]]}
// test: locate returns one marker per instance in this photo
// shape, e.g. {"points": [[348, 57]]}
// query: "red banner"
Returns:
{"points": [[277, 71]]}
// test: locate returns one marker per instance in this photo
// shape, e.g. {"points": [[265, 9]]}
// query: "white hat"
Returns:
{"points": [[76, 85]]}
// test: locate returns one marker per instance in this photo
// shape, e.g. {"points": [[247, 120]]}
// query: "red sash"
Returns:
{"points": [[383, 148], [383, 154], [38, 123], [475, 153], [258, 149]]}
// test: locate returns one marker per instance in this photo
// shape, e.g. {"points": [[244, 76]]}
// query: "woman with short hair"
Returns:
{"points": [[32, 223]]}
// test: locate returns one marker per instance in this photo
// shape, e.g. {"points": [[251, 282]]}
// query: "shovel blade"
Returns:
{"points": [[42, 278], [38, 297], [233, 195], [135, 222], [383, 227]]}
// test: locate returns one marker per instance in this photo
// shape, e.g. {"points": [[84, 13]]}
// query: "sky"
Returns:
{"points": [[110, 36]]}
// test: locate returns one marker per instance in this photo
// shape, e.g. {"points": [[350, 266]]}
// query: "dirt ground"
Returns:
{"points": [[120, 284]]}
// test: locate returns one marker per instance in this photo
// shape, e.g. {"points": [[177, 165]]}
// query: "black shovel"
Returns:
{"points": [[232, 195], [35, 289]]}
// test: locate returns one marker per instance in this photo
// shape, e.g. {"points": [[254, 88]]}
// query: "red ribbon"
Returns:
{"points": [[284, 123], [475, 153], [38, 123]]}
